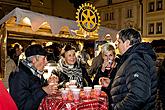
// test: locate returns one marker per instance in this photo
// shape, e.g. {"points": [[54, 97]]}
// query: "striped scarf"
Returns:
{"points": [[74, 73], [32, 68]]}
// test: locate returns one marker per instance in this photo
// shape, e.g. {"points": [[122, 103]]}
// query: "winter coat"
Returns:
{"points": [[135, 83], [78, 72], [107, 73], [6, 101], [10, 67], [26, 88]]}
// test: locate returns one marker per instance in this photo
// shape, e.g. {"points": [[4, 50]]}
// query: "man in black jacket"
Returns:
{"points": [[27, 85], [135, 83]]}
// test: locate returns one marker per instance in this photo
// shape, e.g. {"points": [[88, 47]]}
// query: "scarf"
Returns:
{"points": [[32, 68], [74, 73]]}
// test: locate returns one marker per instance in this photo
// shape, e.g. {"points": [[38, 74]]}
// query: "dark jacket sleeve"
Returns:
{"points": [[99, 74], [63, 78], [27, 95], [86, 79]]}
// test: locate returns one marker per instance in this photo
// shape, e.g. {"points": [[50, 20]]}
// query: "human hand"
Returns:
{"points": [[67, 84], [51, 88], [107, 64], [53, 79], [104, 81], [104, 65]]}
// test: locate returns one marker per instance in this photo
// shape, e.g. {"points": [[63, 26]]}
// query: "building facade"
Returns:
{"points": [[154, 19], [120, 14], [147, 16]]}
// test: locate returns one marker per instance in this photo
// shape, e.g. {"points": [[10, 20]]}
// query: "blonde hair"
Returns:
{"points": [[107, 47]]}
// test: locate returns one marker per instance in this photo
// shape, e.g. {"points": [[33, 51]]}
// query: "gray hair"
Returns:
{"points": [[30, 58]]}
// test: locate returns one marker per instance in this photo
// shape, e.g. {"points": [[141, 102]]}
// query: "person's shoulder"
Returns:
{"points": [[134, 56], [20, 73]]}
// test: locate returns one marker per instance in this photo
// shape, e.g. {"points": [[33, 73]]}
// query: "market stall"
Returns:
{"points": [[27, 25]]}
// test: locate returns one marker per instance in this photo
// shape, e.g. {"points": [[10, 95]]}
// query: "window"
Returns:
{"points": [[129, 13], [159, 5], [111, 16], [109, 2], [159, 28], [106, 17], [151, 28], [151, 7]]}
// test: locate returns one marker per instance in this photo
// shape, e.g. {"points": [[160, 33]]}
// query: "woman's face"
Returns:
{"points": [[109, 55], [70, 57]]}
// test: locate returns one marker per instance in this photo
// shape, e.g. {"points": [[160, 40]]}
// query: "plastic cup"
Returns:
{"points": [[97, 89], [64, 94], [76, 94], [72, 87], [87, 91], [72, 82]]}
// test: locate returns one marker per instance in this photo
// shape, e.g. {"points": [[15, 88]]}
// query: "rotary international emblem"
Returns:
{"points": [[88, 18]]}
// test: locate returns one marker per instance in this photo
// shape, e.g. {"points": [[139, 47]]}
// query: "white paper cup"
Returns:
{"points": [[87, 88], [87, 91], [97, 89], [64, 94], [76, 94], [72, 87], [72, 82]]}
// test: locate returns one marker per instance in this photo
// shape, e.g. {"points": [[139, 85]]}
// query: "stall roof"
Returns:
{"points": [[53, 23]]}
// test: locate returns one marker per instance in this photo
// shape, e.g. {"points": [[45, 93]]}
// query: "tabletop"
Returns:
{"points": [[55, 102]]}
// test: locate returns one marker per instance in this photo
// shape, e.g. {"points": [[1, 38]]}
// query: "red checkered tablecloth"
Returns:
{"points": [[56, 103]]}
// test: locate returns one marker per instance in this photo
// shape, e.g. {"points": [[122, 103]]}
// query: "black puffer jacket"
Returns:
{"points": [[135, 83]]}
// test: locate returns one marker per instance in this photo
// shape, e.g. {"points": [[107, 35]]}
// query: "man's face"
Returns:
{"points": [[122, 46], [40, 62]]}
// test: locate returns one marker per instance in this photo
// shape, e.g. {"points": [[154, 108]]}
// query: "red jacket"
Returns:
{"points": [[6, 101]]}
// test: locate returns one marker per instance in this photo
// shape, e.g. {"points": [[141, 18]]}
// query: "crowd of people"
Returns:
{"points": [[130, 80]]}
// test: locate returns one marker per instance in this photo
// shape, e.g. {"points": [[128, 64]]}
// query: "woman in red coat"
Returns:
{"points": [[6, 101]]}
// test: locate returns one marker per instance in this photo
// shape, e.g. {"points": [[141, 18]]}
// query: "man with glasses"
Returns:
{"points": [[27, 85]]}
